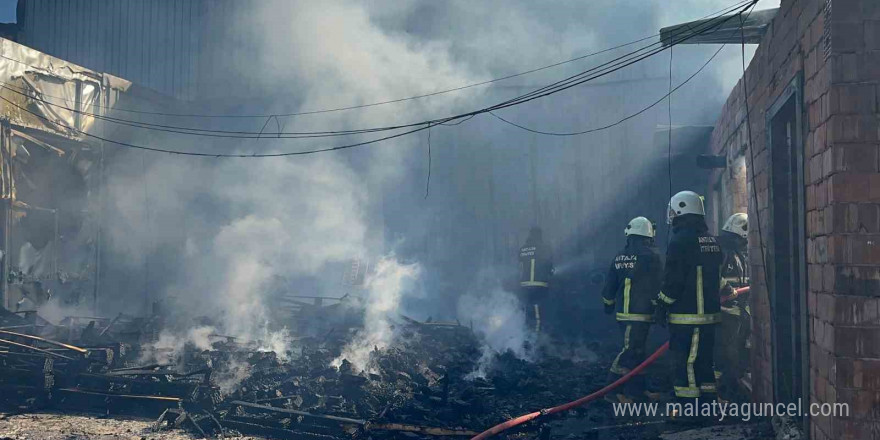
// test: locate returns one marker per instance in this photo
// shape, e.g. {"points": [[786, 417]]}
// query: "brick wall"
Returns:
{"points": [[837, 46]]}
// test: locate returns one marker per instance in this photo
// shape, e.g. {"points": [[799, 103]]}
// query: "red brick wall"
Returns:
{"points": [[837, 46]]}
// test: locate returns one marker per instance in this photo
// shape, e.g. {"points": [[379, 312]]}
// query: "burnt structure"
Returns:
{"points": [[51, 177]]}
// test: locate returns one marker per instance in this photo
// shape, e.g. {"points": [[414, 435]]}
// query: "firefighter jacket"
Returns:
{"points": [[692, 276], [634, 281], [734, 275], [535, 265], [735, 267]]}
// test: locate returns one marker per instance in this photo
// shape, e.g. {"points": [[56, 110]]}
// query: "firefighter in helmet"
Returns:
{"points": [[690, 299], [633, 284], [731, 342], [535, 271]]}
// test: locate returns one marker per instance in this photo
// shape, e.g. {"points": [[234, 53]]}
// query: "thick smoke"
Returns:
{"points": [[236, 227], [216, 237]]}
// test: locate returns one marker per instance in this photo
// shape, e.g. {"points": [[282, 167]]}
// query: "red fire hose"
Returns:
{"points": [[583, 400], [586, 399], [735, 294]]}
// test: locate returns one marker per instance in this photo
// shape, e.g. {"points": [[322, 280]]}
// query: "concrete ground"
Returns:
{"points": [[49, 426]]}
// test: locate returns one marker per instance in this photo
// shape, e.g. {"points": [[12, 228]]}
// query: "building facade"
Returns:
{"points": [[801, 137]]}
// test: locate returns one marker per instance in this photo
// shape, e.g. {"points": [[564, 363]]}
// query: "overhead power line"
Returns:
{"points": [[374, 104], [587, 75], [620, 121], [652, 105], [572, 81]]}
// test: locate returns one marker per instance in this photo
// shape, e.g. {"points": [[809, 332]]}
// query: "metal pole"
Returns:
{"points": [[7, 208], [55, 245], [105, 97]]}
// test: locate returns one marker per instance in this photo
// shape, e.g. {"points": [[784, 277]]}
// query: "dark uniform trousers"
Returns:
{"points": [[692, 347], [633, 282], [534, 299], [731, 356], [691, 292], [635, 338]]}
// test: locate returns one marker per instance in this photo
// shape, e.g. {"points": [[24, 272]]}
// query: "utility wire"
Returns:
{"points": [[669, 139], [580, 78], [428, 180], [605, 127], [545, 91], [673, 43], [374, 104], [603, 69], [750, 147], [217, 155]]}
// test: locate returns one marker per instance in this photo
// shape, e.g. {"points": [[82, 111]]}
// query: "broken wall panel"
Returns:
{"points": [[50, 175]]}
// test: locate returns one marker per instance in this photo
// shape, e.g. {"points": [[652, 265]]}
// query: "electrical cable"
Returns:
{"points": [[605, 127], [218, 155], [669, 130], [749, 147], [311, 112], [428, 180], [751, 5], [258, 135], [669, 141], [544, 91], [578, 79], [604, 69]]}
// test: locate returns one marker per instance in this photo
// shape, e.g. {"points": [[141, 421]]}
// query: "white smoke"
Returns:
{"points": [[169, 347], [246, 223], [385, 288], [498, 321]]}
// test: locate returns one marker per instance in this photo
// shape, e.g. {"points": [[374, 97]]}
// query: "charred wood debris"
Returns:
{"points": [[420, 388]]}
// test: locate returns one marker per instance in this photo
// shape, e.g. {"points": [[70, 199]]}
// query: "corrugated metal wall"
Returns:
{"points": [[164, 45]]}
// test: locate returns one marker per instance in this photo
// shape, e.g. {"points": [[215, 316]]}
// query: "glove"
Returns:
{"points": [[727, 290], [609, 309], [660, 315]]}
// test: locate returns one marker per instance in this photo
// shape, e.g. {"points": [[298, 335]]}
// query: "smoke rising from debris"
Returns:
{"points": [[210, 237], [497, 319], [385, 288]]}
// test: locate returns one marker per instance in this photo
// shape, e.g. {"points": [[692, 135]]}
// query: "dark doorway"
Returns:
{"points": [[787, 247]]}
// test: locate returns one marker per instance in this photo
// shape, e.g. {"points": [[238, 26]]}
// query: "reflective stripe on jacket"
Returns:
{"points": [[535, 266], [692, 280], [634, 281]]}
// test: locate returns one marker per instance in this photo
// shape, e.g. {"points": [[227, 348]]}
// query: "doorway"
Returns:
{"points": [[787, 262]]}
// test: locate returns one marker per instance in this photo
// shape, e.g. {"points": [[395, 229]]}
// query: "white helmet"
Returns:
{"points": [[640, 226], [685, 202], [737, 224]]}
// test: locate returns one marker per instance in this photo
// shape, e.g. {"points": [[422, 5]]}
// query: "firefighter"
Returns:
{"points": [[689, 300], [731, 342], [535, 271], [633, 283]]}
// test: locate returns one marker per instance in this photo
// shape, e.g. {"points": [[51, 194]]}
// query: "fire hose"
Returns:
{"points": [[735, 294], [591, 397]]}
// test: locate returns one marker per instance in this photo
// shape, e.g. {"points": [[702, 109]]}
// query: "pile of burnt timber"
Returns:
{"points": [[420, 388]]}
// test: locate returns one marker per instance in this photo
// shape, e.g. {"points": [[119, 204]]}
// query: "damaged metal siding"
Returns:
{"points": [[64, 93], [50, 174]]}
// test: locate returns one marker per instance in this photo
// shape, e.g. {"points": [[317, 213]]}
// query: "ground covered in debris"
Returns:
{"points": [[437, 381]]}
